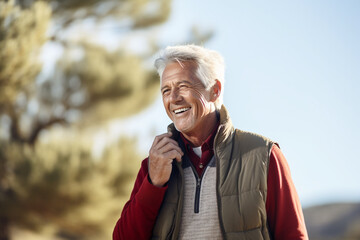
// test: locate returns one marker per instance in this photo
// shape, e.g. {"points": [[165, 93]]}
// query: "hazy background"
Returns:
{"points": [[75, 126]]}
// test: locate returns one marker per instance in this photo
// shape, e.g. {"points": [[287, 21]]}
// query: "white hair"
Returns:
{"points": [[210, 64]]}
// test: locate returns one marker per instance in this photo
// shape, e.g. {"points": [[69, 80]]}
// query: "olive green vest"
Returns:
{"points": [[242, 161]]}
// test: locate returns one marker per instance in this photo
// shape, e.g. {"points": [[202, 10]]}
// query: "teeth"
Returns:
{"points": [[180, 110]]}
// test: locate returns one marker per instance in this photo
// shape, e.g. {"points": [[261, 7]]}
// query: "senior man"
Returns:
{"points": [[204, 179]]}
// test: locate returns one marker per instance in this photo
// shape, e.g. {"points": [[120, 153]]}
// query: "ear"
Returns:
{"points": [[215, 91]]}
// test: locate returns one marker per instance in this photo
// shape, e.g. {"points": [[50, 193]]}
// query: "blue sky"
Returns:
{"points": [[292, 74]]}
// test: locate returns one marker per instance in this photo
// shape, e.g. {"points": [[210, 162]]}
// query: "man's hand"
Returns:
{"points": [[162, 152]]}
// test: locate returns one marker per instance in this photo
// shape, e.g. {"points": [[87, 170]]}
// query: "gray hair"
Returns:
{"points": [[210, 64]]}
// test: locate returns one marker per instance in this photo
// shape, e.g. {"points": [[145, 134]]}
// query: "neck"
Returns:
{"points": [[197, 138]]}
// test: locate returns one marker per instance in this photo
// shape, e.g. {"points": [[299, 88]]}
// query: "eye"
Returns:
{"points": [[165, 91], [181, 86]]}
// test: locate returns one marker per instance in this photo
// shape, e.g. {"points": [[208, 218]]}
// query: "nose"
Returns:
{"points": [[175, 96]]}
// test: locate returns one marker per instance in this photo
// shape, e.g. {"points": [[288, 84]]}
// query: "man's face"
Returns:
{"points": [[186, 101]]}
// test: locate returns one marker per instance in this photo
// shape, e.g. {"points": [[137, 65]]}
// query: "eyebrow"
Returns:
{"points": [[163, 88], [182, 81]]}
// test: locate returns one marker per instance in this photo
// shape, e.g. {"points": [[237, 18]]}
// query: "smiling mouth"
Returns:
{"points": [[181, 110]]}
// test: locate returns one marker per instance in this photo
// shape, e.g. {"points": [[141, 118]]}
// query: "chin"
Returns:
{"points": [[183, 128], [180, 129]]}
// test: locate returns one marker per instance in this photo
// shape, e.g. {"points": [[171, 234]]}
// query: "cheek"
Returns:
{"points": [[200, 98], [166, 105]]}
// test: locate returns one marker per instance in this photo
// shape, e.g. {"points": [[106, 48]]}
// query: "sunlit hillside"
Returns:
{"points": [[338, 221]]}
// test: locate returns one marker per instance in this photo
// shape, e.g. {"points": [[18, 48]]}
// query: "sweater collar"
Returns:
{"points": [[209, 142]]}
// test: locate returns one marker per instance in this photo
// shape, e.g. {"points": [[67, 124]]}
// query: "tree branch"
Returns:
{"points": [[41, 126]]}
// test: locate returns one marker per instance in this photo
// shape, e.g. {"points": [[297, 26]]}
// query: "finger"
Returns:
{"points": [[178, 158], [173, 154], [165, 140], [161, 153], [171, 146], [158, 138]]}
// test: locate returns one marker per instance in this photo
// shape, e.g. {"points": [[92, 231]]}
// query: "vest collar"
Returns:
{"points": [[226, 127]]}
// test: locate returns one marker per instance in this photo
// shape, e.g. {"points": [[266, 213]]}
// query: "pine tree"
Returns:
{"points": [[61, 185]]}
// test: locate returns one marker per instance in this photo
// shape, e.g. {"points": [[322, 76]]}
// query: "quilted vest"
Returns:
{"points": [[242, 161]]}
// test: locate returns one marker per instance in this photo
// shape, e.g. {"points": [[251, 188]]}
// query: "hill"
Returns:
{"points": [[337, 221]]}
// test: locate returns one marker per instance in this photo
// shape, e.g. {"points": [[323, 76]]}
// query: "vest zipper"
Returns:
{"points": [[218, 197]]}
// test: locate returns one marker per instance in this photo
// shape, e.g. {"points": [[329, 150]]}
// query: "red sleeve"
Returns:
{"points": [[139, 213], [283, 208]]}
